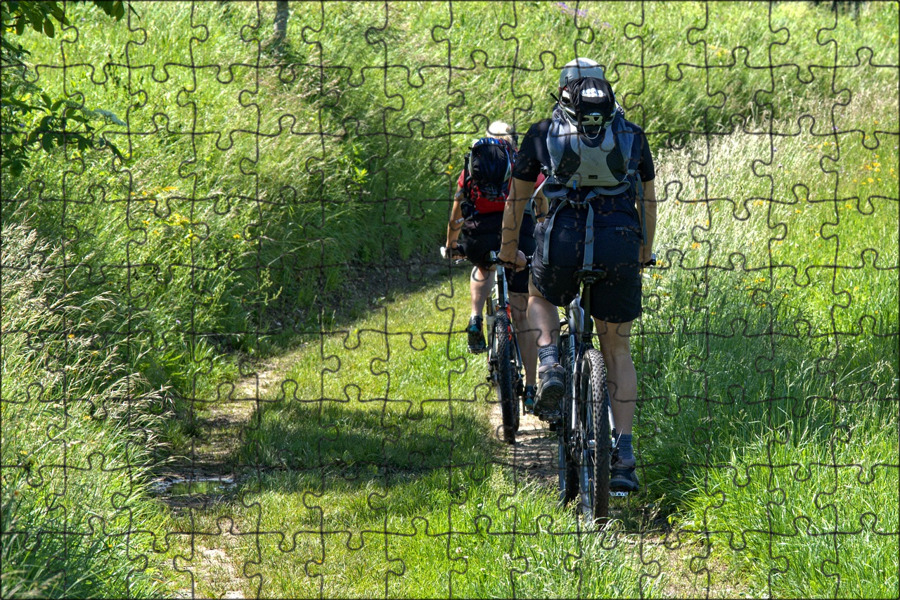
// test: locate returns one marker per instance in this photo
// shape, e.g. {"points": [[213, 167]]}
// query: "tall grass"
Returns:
{"points": [[77, 433], [770, 358]]}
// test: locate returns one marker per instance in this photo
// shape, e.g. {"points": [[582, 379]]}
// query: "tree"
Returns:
{"points": [[282, 13], [21, 101]]}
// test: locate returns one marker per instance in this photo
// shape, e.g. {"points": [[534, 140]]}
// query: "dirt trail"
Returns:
{"points": [[688, 571], [207, 476]]}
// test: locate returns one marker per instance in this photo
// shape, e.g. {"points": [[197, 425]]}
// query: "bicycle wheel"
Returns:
{"points": [[594, 412], [506, 376], [566, 438]]}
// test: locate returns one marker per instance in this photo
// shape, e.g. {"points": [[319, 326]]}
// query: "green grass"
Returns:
{"points": [[77, 430], [374, 471], [767, 353]]}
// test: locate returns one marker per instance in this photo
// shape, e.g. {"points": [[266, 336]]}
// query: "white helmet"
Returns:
{"points": [[578, 69], [503, 131]]}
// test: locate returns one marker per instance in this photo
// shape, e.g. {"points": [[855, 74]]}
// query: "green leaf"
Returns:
{"points": [[20, 28], [48, 28], [47, 142]]}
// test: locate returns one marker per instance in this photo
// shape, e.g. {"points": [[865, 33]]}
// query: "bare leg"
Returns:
{"points": [[518, 303], [480, 283], [543, 317], [621, 376]]}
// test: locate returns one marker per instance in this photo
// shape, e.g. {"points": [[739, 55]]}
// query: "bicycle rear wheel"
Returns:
{"points": [[504, 354], [594, 411]]}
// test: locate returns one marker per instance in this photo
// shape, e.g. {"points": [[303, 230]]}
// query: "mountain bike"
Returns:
{"points": [[504, 359], [583, 424], [505, 366]]}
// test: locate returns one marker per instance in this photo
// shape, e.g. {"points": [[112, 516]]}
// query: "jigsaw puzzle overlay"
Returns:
{"points": [[235, 363]]}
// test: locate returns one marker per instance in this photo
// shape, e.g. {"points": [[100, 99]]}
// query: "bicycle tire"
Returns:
{"points": [[567, 462], [595, 412], [506, 376]]}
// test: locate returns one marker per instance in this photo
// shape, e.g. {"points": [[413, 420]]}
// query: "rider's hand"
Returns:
{"points": [[518, 260], [451, 250]]}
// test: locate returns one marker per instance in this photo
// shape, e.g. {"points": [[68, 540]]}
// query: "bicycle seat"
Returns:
{"points": [[589, 276]]}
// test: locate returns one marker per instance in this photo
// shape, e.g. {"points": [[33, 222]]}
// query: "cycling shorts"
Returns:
{"points": [[481, 235]]}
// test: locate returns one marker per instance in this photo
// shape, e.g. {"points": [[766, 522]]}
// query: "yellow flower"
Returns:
{"points": [[695, 245], [71, 336], [237, 236], [870, 180]]}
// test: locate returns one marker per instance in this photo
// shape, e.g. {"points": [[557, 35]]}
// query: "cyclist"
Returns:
{"points": [[603, 213], [474, 232]]}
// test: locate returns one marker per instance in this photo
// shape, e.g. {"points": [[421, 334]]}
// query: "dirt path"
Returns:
{"points": [[208, 475], [687, 570]]}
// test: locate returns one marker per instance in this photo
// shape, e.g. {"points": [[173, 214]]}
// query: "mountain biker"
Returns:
{"points": [[602, 212], [474, 232]]}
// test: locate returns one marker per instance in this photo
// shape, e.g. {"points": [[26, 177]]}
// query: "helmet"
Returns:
{"points": [[578, 69], [503, 131], [588, 103]]}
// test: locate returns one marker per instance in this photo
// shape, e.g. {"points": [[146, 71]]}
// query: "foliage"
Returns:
{"points": [[29, 118]]}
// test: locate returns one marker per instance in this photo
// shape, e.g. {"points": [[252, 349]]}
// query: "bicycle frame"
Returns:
{"points": [[497, 303]]}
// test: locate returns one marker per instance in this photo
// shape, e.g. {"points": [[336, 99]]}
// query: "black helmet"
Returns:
{"points": [[589, 103]]}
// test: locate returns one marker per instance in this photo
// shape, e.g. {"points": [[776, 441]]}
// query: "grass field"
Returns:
{"points": [[257, 189]]}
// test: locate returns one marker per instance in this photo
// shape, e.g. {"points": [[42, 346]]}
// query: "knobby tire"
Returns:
{"points": [[504, 353], [594, 404]]}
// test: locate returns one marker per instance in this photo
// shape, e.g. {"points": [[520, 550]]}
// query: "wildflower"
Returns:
{"points": [[237, 236], [71, 336], [695, 245]]}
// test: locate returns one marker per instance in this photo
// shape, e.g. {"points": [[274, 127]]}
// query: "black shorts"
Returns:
{"points": [[481, 235], [617, 297]]}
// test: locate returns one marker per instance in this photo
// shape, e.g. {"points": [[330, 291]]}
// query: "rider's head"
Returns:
{"points": [[503, 131], [585, 96]]}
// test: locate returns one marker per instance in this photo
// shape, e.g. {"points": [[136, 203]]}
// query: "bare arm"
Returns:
{"points": [[647, 210], [541, 206], [519, 193], [456, 219]]}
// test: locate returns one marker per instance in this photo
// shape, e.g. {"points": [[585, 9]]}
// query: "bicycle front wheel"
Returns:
{"points": [[594, 410], [504, 354]]}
